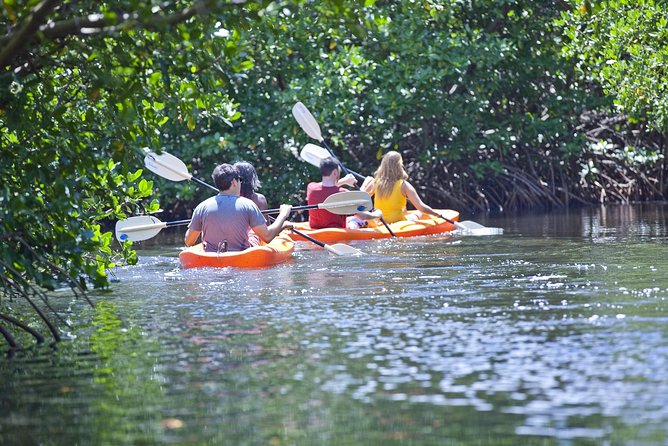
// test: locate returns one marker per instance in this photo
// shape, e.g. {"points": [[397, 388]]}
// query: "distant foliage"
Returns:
{"points": [[475, 95], [623, 46]]}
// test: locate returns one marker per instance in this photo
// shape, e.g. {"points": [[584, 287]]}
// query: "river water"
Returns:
{"points": [[555, 333]]}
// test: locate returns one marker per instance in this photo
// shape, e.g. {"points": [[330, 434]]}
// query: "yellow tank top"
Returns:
{"points": [[393, 205]]}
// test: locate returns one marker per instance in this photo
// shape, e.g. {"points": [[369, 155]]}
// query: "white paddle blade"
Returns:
{"points": [[313, 154], [468, 225], [353, 207], [472, 228], [167, 166], [354, 200], [306, 121], [341, 249], [138, 228], [481, 231]]}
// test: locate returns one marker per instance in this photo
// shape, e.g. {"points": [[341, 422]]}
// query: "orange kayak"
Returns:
{"points": [[279, 250], [426, 225]]}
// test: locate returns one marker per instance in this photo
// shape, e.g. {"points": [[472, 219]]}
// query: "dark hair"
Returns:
{"points": [[327, 166], [249, 180], [223, 175]]}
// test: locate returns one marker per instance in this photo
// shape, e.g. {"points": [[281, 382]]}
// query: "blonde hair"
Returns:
{"points": [[390, 171]]}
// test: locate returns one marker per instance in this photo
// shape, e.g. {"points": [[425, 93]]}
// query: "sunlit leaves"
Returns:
{"points": [[623, 46]]}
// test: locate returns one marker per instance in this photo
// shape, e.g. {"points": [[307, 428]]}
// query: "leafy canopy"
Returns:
{"points": [[623, 46], [84, 86]]}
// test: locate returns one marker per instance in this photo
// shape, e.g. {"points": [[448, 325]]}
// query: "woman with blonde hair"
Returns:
{"points": [[391, 189]]}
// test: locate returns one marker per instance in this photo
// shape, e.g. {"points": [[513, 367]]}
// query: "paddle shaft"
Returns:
{"points": [[325, 205], [160, 225], [266, 211], [301, 234], [452, 222], [205, 184]]}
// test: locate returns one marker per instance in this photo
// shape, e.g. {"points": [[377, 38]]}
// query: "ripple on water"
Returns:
{"points": [[565, 337]]}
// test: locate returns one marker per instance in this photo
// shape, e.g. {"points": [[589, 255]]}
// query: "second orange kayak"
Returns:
{"points": [[426, 225]]}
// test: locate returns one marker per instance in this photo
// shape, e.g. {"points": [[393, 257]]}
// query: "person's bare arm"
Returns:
{"points": [[267, 233], [348, 180], [409, 191], [369, 215], [262, 202], [368, 185], [191, 237]]}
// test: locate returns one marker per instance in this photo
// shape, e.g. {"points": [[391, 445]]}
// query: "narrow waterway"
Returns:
{"points": [[554, 333]]}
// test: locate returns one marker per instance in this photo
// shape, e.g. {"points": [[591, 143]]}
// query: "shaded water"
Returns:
{"points": [[554, 333]]}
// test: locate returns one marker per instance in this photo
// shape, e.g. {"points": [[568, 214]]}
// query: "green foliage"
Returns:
{"points": [[623, 46], [78, 100], [464, 91]]}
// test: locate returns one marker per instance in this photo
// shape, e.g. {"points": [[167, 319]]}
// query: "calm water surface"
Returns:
{"points": [[555, 333]]}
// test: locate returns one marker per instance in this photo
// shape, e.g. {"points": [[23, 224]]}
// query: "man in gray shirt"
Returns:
{"points": [[224, 221]]}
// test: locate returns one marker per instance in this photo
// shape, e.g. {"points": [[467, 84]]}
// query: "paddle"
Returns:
{"points": [[341, 203], [172, 168], [308, 123], [339, 249], [313, 154], [344, 203], [144, 227]]}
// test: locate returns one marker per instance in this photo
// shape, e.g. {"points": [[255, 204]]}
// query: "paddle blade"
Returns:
{"points": [[473, 228], [341, 249], [469, 225], [347, 203], [138, 228], [306, 121], [167, 166], [481, 231], [313, 154]]}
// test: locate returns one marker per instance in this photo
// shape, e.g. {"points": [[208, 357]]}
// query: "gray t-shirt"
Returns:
{"points": [[226, 217]]}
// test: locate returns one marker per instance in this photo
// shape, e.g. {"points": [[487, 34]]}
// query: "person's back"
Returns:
{"points": [[392, 190], [225, 221], [317, 193], [393, 205]]}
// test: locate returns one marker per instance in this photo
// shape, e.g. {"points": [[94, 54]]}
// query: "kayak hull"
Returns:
{"points": [[277, 251], [426, 225]]}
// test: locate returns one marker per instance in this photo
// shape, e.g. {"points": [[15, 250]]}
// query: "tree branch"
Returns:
{"points": [[14, 44], [25, 34], [8, 337], [38, 337], [18, 288]]}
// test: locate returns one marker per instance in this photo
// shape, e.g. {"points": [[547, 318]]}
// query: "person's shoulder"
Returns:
{"points": [[261, 201], [207, 202], [248, 205], [245, 201], [406, 186], [314, 187]]}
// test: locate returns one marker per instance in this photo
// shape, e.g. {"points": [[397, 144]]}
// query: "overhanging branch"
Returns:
{"points": [[25, 33], [15, 43]]}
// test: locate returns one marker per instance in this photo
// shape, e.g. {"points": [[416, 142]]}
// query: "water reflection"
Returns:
{"points": [[554, 333], [643, 220]]}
